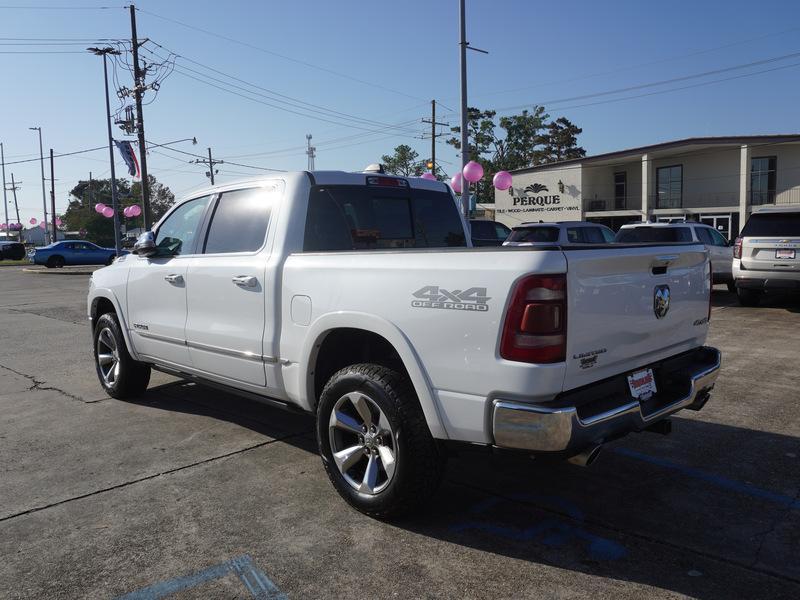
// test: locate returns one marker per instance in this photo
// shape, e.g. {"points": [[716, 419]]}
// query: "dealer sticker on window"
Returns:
{"points": [[642, 384]]}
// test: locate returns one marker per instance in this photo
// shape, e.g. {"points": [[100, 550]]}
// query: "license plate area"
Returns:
{"points": [[642, 384], [785, 254]]}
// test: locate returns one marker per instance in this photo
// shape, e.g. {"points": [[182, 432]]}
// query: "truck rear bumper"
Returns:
{"points": [[579, 419], [768, 283]]}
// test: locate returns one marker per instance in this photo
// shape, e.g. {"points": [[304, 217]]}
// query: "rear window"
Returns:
{"points": [[654, 234], [533, 234], [367, 218], [773, 225]]}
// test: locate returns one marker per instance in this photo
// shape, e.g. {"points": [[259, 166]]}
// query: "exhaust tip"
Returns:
{"points": [[587, 457]]}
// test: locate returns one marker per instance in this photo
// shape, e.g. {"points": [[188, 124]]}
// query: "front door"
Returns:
{"points": [[157, 287], [227, 306]]}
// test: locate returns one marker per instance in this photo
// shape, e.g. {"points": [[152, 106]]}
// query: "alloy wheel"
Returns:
{"points": [[108, 356]]}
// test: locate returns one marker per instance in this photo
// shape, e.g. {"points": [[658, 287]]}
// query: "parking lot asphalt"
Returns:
{"points": [[201, 494]]}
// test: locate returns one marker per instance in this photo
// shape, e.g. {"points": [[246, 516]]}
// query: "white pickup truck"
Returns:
{"points": [[355, 297]]}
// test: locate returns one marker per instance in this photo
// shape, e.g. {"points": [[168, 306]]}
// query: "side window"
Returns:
{"points": [[704, 235], [574, 235], [719, 239], [592, 235], [482, 230], [502, 231], [178, 233], [608, 235], [240, 222]]}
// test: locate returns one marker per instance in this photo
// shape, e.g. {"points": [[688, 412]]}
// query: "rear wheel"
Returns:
{"points": [[749, 297], [732, 287], [375, 443], [55, 262], [120, 375]]}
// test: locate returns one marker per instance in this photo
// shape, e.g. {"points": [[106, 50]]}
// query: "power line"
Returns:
{"points": [[283, 56], [658, 83]]}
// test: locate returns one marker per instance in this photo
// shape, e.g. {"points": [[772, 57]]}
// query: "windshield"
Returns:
{"points": [[654, 234], [351, 217], [773, 225], [534, 234]]}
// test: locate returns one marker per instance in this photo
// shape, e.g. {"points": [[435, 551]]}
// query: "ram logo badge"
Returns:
{"points": [[661, 301], [433, 296]]}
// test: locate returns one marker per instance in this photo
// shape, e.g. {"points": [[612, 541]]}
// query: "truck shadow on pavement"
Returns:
{"points": [[711, 511], [788, 301]]}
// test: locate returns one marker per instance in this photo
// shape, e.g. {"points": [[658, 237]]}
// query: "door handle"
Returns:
{"points": [[174, 278], [245, 281]]}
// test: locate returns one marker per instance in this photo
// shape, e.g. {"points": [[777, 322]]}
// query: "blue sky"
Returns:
{"points": [[540, 52]]}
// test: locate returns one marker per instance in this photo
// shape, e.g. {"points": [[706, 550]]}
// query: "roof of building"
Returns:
{"points": [[692, 141]]}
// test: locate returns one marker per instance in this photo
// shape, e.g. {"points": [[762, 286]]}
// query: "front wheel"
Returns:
{"points": [[55, 262], [748, 297], [110, 260], [375, 443], [120, 375]]}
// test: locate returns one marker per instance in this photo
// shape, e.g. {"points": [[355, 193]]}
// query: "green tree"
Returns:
{"points": [[80, 214], [403, 162], [562, 141]]}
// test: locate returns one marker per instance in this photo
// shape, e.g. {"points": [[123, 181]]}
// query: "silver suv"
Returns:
{"points": [[766, 255]]}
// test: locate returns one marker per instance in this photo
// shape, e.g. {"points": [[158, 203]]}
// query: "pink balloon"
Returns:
{"points": [[42, 225], [456, 182], [135, 210], [32, 221], [502, 180], [59, 222], [126, 211], [2, 226], [473, 171], [99, 207], [429, 176], [108, 212]]}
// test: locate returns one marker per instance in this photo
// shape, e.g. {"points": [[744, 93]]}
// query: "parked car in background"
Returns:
{"points": [[60, 254], [562, 233], [12, 251], [488, 233], [719, 249], [766, 254]]}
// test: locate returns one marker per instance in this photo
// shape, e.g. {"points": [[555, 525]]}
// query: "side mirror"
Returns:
{"points": [[145, 245]]}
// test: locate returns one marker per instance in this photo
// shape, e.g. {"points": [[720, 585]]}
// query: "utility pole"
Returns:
{"points": [[434, 135], [5, 193], [104, 52], [41, 160], [138, 90], [210, 162], [53, 197], [14, 188], [311, 151]]}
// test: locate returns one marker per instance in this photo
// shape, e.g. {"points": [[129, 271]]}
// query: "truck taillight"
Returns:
{"points": [[710, 288], [535, 329], [737, 248]]}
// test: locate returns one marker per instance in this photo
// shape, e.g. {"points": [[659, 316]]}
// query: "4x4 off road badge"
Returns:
{"points": [[433, 296], [661, 301]]}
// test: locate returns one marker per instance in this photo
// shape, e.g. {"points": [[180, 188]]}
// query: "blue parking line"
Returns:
{"points": [[718, 480], [257, 583]]}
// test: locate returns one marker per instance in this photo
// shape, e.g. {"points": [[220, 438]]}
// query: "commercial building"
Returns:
{"points": [[715, 180]]}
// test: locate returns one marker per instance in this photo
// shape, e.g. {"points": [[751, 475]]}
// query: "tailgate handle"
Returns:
{"points": [[660, 263]]}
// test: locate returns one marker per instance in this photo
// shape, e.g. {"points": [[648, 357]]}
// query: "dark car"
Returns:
{"points": [[488, 233], [73, 253], [12, 251]]}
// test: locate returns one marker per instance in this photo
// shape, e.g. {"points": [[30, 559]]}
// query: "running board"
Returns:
{"points": [[231, 390]]}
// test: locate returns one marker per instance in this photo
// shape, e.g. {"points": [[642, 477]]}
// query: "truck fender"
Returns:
{"points": [[107, 294], [391, 333]]}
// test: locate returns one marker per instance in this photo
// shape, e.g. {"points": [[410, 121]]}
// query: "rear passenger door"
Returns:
{"points": [[228, 309], [721, 257]]}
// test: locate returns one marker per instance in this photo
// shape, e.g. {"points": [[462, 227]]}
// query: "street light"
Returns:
{"points": [[44, 194], [104, 52]]}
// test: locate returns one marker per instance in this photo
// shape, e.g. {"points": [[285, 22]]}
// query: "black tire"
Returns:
{"points": [[132, 377], [732, 287], [419, 465], [111, 259], [749, 297], [55, 262]]}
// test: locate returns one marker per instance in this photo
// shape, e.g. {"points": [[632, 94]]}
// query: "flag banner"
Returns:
{"points": [[129, 156]]}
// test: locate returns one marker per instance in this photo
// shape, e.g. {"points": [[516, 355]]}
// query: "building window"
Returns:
{"points": [[669, 186], [620, 190], [763, 179]]}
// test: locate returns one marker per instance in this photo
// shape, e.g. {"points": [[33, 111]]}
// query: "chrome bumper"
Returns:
{"points": [[539, 428]]}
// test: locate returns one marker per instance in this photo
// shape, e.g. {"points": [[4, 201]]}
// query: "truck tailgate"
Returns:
{"points": [[612, 326]]}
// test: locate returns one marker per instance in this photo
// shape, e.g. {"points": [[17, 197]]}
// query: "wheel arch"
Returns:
{"points": [[344, 334], [101, 301]]}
